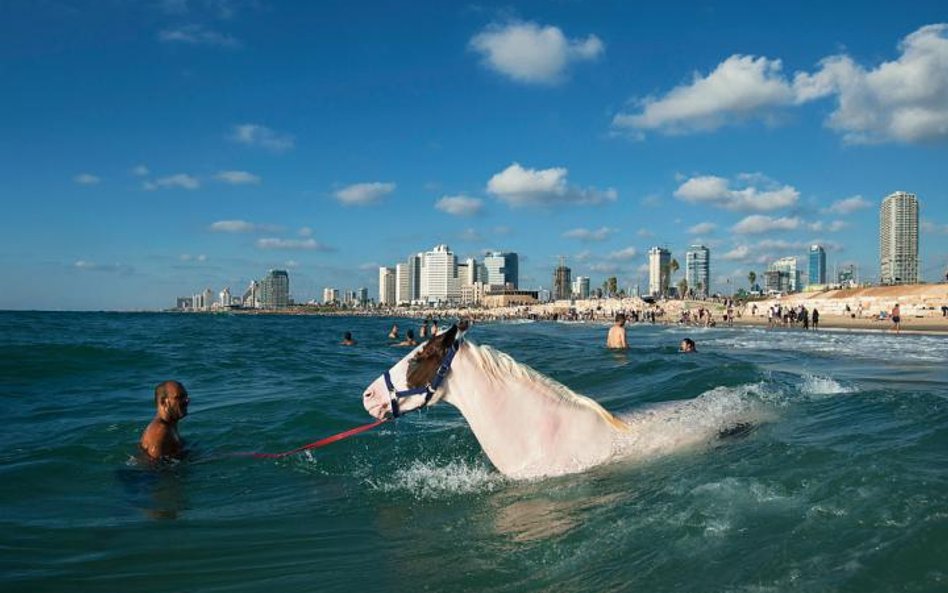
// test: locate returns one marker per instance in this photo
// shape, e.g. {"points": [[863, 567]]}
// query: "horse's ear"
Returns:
{"points": [[463, 326], [438, 345]]}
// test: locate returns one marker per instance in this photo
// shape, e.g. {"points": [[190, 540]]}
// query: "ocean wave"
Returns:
{"points": [[816, 385], [431, 480]]}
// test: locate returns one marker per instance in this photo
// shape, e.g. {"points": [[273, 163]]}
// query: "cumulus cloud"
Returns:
{"points": [[747, 196], [758, 223], [849, 205], [180, 181], [903, 100], [739, 88], [309, 244], [518, 186], [90, 266], [240, 226], [583, 234], [237, 177], [459, 205], [262, 136], [533, 54], [86, 179], [198, 35], [702, 228], [623, 254], [362, 194]]}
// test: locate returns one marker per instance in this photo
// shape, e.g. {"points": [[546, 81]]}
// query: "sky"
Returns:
{"points": [[151, 149]]}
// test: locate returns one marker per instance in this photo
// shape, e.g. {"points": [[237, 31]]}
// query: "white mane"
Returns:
{"points": [[499, 367]]}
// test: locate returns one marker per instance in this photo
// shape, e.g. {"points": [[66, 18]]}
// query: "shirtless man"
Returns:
{"points": [[409, 339], [616, 338], [161, 439]]}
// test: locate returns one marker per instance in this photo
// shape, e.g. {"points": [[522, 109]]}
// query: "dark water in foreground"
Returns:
{"points": [[846, 489]]}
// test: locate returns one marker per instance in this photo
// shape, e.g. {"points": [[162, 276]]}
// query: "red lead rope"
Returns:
{"points": [[316, 444]]}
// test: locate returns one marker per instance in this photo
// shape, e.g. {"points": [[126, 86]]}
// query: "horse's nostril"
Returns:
{"points": [[367, 395]]}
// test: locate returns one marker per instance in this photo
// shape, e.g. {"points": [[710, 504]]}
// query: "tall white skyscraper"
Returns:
{"points": [[403, 284], [581, 287], [439, 275], [698, 269], [659, 270], [330, 295], [386, 286], [898, 239]]}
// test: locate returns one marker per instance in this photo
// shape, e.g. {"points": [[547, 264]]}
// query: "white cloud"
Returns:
{"points": [[624, 254], [836, 225], [643, 232], [583, 234], [739, 88], [240, 226], [86, 179], [739, 253], [470, 235], [262, 136], [140, 171], [198, 35], [530, 53], [305, 232], [904, 100], [309, 244], [849, 205], [702, 228], [717, 191], [758, 223], [362, 194], [518, 186], [459, 205], [90, 266], [934, 228], [181, 180], [238, 177], [187, 257]]}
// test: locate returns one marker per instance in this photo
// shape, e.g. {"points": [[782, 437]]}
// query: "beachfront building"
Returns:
{"points": [[403, 284], [439, 276], [330, 296], [502, 267], [362, 295], [898, 239], [251, 298], [698, 269], [782, 276], [225, 298], [659, 270], [581, 287], [562, 283], [386, 286], [275, 290], [817, 267]]}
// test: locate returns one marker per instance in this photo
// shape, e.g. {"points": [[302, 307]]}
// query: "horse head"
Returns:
{"points": [[416, 380]]}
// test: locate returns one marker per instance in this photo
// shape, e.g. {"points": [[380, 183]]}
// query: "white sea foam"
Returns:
{"points": [[815, 385], [427, 480]]}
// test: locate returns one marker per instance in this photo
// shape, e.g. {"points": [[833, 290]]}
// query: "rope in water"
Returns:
{"points": [[315, 444]]}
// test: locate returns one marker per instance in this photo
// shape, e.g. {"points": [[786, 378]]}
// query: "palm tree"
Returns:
{"points": [[682, 288], [700, 288], [752, 278], [673, 267]]}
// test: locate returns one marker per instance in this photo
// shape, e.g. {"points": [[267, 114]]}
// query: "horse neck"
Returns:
{"points": [[524, 425]]}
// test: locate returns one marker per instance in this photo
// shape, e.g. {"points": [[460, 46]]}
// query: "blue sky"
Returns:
{"points": [[150, 149]]}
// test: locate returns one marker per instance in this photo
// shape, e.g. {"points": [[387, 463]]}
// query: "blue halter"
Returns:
{"points": [[428, 390]]}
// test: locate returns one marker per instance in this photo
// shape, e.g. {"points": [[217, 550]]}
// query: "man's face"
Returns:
{"points": [[175, 405]]}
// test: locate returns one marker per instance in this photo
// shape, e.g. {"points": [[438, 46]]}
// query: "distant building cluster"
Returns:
{"points": [[436, 277], [271, 292]]}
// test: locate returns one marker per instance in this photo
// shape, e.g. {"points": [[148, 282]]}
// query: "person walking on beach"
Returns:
{"points": [[393, 335], [347, 339], [409, 339], [161, 439], [816, 318], [616, 337], [896, 318]]}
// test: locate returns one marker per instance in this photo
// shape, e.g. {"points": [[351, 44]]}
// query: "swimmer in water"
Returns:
{"points": [[347, 339], [409, 339], [687, 345], [161, 439], [616, 337]]}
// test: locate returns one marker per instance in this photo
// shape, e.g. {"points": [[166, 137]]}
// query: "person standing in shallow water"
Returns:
{"points": [[896, 318], [161, 439], [616, 338]]}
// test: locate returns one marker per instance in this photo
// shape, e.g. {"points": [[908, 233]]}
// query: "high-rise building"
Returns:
{"points": [[414, 275], [330, 296], [403, 284], [439, 276], [659, 270], [898, 239], [581, 287], [275, 290], [362, 295], [386, 286], [225, 298], [817, 268], [698, 269], [502, 269], [251, 298], [782, 276], [562, 284]]}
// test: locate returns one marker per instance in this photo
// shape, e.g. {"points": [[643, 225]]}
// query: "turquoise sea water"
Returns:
{"points": [[844, 489]]}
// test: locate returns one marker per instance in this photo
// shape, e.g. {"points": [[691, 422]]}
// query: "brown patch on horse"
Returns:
{"points": [[423, 366]]}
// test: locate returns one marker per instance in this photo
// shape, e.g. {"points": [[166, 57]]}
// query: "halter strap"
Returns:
{"points": [[428, 390]]}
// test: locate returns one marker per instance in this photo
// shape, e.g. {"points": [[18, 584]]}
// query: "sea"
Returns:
{"points": [[843, 488]]}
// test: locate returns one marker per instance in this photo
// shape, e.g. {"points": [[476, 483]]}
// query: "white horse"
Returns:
{"points": [[529, 425]]}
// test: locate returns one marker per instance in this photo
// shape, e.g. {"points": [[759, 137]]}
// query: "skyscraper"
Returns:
{"points": [[502, 268], [782, 276], [562, 285], [698, 269], [275, 290], [659, 270], [581, 287], [817, 268], [403, 284], [386, 286], [898, 239], [439, 275]]}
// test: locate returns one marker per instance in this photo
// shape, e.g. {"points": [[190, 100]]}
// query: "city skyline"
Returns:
{"points": [[224, 138]]}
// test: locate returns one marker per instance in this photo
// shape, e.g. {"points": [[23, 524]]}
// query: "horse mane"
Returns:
{"points": [[498, 366]]}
